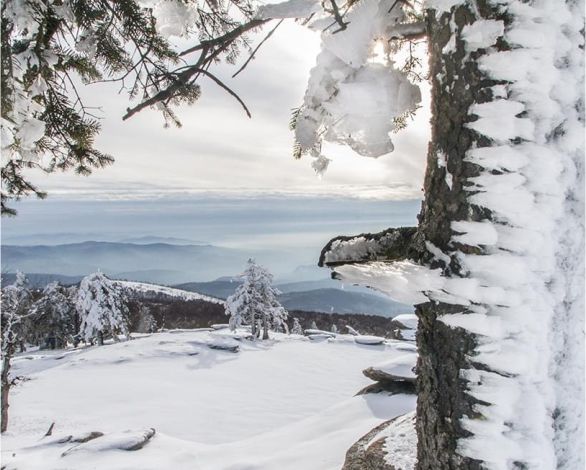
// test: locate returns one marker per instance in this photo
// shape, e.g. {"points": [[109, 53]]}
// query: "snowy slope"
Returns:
{"points": [[145, 289], [287, 403]]}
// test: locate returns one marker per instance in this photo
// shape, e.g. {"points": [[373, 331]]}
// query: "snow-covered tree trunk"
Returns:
{"points": [[496, 265], [265, 326], [503, 216], [14, 311]]}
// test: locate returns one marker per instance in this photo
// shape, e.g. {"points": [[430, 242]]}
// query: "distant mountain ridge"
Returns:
{"points": [[324, 300], [188, 267], [154, 262], [301, 296]]}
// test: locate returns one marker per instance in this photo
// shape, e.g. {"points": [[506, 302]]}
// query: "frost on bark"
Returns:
{"points": [[495, 263], [444, 351]]}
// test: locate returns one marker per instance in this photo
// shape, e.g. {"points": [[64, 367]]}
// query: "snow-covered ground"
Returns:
{"points": [[147, 289], [288, 403]]}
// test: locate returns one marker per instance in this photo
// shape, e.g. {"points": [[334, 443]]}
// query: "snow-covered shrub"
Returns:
{"points": [[296, 330], [101, 305]]}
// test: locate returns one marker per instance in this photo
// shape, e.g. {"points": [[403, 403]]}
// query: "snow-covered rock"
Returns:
{"points": [[127, 440], [369, 340], [398, 368], [312, 331], [407, 320], [319, 337], [390, 446]]}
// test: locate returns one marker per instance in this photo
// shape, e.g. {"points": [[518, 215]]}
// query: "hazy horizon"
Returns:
{"points": [[285, 232]]}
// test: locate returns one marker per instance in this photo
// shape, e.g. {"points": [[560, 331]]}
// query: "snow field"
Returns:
{"points": [[285, 403]]}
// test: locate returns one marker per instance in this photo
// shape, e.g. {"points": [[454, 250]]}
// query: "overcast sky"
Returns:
{"points": [[219, 148]]}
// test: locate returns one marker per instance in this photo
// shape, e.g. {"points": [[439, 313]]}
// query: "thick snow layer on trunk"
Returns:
{"points": [[522, 292], [532, 340]]}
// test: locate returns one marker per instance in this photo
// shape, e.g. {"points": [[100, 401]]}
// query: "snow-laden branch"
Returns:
{"points": [[390, 245], [351, 99]]}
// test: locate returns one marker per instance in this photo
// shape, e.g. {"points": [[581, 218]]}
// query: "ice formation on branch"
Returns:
{"points": [[350, 99], [24, 128]]}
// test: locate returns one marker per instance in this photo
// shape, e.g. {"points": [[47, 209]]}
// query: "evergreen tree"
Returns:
{"points": [[334, 328], [296, 330], [147, 322], [101, 305], [55, 317], [313, 325], [255, 302], [16, 301]]}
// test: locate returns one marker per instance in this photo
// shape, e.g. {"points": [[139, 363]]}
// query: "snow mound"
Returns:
{"points": [[401, 367], [221, 343], [319, 332], [402, 346], [369, 340], [128, 440], [319, 337]]}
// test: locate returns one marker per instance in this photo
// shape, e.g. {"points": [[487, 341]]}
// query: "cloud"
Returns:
{"points": [[219, 149]]}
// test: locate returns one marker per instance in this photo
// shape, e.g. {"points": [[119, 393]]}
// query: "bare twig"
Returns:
{"points": [[338, 17], [225, 87], [227, 38], [50, 430], [257, 48]]}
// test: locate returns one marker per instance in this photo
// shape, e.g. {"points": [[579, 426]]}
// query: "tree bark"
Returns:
{"points": [[265, 327], [445, 351], [5, 384]]}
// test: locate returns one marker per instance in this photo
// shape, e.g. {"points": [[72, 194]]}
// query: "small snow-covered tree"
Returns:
{"points": [[277, 318], [101, 305], [313, 325], [55, 317], [16, 301], [239, 307], [255, 300], [334, 328], [296, 330], [147, 322]]}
